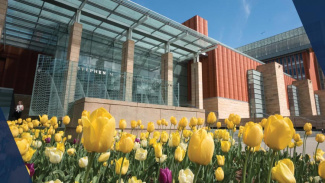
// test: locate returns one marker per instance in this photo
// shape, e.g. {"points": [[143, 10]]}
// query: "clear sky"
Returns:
{"points": [[232, 22]]}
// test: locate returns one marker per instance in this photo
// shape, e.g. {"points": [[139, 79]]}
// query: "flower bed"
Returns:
{"points": [[193, 153]]}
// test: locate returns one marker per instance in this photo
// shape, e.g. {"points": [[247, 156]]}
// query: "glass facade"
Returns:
{"points": [[317, 104], [293, 64], [256, 94], [280, 44], [293, 100]]}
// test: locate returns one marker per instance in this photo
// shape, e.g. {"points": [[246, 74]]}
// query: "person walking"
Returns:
{"points": [[19, 108]]}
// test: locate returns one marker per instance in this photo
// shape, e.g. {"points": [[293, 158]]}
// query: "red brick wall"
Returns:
{"points": [[197, 23], [17, 69], [310, 69]]}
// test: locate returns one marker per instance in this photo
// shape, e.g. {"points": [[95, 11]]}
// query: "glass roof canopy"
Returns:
{"points": [[34, 24]]}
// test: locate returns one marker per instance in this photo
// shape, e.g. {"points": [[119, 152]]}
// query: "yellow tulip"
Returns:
{"points": [[158, 150], [28, 137], [152, 142], [104, 157], [14, 131], [320, 138], [321, 169], [225, 146], [175, 139], [122, 124], [226, 136], [28, 155], [30, 125], [141, 127], [151, 127], [25, 127], [105, 164], [22, 145], [125, 166], [219, 124], [79, 129], [98, 131], [164, 122], [278, 132], [54, 120], [193, 122], [173, 120], [219, 174], [156, 135], [201, 147], [283, 172], [183, 123], [71, 151], [35, 123], [309, 132], [319, 155], [126, 143], [263, 122], [79, 122], [236, 119], [220, 160], [296, 137], [291, 145], [308, 127], [134, 180], [200, 121], [66, 120], [179, 154], [134, 124], [159, 122], [44, 118], [144, 136], [187, 133], [139, 122], [58, 137], [253, 134], [299, 143], [212, 118], [164, 137], [69, 137], [230, 125]]}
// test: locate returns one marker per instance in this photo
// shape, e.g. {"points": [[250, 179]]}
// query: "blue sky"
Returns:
{"points": [[232, 22]]}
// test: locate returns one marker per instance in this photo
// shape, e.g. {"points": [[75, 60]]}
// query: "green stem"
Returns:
{"points": [[119, 179], [90, 163], [270, 167], [158, 169], [196, 175], [304, 145], [245, 165], [316, 152]]}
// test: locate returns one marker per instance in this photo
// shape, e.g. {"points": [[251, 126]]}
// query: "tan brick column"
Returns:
{"points": [[73, 59], [274, 89], [306, 97], [3, 11], [321, 98], [127, 70], [197, 85], [166, 73]]}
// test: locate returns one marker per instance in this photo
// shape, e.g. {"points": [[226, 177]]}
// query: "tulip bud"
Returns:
{"points": [[126, 143], [83, 162], [220, 160], [141, 127], [225, 146], [71, 151], [133, 124], [219, 174], [308, 127], [183, 123], [173, 120], [79, 129], [179, 154], [193, 122], [320, 138], [158, 150], [151, 127], [218, 124], [104, 157], [125, 166], [211, 118], [122, 124], [66, 120]]}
